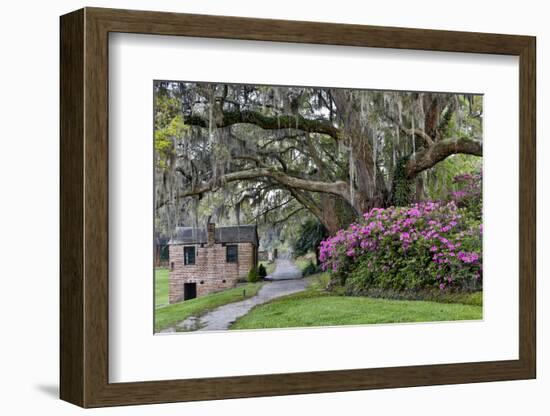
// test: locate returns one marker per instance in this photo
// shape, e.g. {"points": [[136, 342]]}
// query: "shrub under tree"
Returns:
{"points": [[420, 247], [262, 272], [252, 275]]}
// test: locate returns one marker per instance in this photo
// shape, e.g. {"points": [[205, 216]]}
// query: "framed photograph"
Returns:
{"points": [[256, 207]]}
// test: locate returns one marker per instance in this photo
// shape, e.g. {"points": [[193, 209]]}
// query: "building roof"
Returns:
{"points": [[161, 240], [228, 234]]}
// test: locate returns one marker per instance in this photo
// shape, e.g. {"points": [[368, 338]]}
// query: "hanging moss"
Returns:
{"points": [[402, 187], [446, 123]]}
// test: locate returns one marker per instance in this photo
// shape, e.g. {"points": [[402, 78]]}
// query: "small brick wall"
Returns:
{"points": [[210, 269]]}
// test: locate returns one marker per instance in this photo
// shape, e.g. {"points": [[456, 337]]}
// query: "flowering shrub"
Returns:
{"points": [[423, 246], [468, 193]]}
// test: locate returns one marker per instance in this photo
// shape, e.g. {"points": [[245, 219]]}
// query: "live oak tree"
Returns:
{"points": [[275, 153]]}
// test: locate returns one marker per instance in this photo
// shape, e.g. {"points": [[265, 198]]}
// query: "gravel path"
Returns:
{"points": [[285, 280], [285, 270]]}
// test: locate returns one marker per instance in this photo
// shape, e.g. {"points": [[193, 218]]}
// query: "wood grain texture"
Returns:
{"points": [[71, 100], [84, 207], [527, 207], [225, 27]]}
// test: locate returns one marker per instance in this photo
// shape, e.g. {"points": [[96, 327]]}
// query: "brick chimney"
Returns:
{"points": [[210, 230]]}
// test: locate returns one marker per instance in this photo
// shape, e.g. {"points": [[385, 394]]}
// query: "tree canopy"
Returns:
{"points": [[273, 154]]}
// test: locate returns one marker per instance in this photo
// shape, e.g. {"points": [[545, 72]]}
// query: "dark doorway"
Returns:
{"points": [[189, 291]]}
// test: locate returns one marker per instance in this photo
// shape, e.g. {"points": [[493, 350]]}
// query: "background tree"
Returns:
{"points": [[311, 233]]}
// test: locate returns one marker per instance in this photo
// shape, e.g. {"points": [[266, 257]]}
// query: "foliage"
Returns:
{"points": [[402, 187], [253, 275], [431, 295], [468, 193], [303, 261], [172, 314], [262, 272], [440, 179], [309, 237], [425, 245], [268, 266], [319, 282], [169, 126], [310, 269], [164, 138], [267, 155]]}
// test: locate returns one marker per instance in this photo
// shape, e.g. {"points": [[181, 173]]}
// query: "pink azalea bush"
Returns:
{"points": [[423, 246], [468, 193]]}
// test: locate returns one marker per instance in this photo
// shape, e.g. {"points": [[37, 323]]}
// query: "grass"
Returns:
{"points": [[316, 307], [170, 315], [161, 286], [474, 299], [318, 282], [303, 261], [435, 295]]}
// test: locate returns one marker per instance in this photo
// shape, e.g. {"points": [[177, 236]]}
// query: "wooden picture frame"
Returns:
{"points": [[84, 207]]}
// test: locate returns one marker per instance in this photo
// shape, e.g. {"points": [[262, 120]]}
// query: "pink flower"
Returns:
{"points": [[388, 240]]}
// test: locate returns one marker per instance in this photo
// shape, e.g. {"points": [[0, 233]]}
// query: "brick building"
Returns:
{"points": [[208, 260]]}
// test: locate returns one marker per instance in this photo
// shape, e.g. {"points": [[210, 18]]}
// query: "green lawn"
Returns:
{"points": [[172, 314], [315, 307], [161, 286]]}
